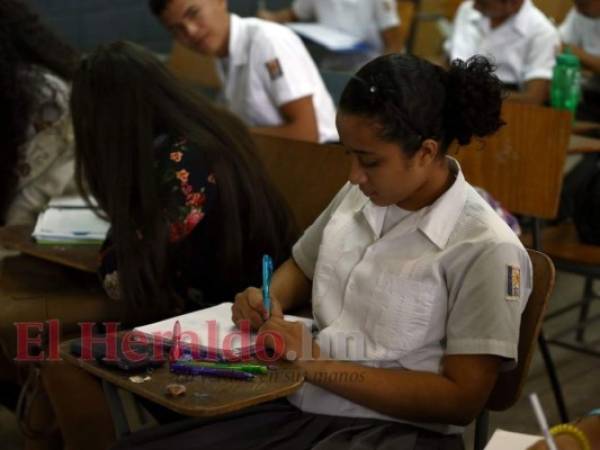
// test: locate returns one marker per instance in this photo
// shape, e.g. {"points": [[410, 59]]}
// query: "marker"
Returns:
{"points": [[267, 274], [175, 352], [186, 369], [250, 368]]}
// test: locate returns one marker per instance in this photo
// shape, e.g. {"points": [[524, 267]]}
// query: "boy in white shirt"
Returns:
{"points": [[374, 22], [581, 32], [516, 36], [269, 78]]}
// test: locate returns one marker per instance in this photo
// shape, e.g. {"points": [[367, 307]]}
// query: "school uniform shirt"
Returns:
{"points": [[267, 67], [523, 48], [46, 161], [583, 32], [401, 289], [364, 19]]}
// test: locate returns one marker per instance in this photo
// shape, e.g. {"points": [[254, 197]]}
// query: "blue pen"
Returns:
{"points": [[267, 273], [184, 369]]}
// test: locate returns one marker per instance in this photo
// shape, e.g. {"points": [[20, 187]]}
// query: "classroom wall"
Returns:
{"points": [[87, 23]]}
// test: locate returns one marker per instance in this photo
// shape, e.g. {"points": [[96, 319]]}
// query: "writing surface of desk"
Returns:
{"points": [[582, 127], [583, 144], [80, 257], [204, 397]]}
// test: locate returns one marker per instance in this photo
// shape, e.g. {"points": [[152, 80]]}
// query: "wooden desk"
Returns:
{"points": [[583, 144], [80, 257], [581, 127], [205, 396]]}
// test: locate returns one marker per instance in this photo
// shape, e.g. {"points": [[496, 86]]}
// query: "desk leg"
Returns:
{"points": [[128, 415], [116, 409]]}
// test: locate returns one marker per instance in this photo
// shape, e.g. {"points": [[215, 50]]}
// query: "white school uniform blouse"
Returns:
{"points": [[451, 278], [581, 31], [523, 48], [267, 67], [364, 19]]}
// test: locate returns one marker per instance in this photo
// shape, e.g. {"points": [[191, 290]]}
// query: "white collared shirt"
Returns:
{"points": [[451, 278], [581, 31], [364, 19], [523, 48], [267, 67]]}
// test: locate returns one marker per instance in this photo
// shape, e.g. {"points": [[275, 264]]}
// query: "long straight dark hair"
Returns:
{"points": [[122, 98], [26, 45]]}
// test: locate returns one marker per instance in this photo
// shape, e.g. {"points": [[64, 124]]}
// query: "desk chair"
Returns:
{"points": [[509, 386], [522, 167], [196, 69], [407, 11], [307, 175]]}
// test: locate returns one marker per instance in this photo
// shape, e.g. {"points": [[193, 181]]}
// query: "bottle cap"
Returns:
{"points": [[567, 58]]}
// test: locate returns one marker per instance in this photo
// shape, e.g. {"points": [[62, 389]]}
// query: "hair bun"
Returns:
{"points": [[474, 99]]}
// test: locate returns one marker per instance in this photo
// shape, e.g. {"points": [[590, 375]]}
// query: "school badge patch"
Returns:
{"points": [[513, 283], [274, 69]]}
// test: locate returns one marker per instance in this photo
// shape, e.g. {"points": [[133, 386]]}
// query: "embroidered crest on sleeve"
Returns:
{"points": [[274, 69], [513, 283]]}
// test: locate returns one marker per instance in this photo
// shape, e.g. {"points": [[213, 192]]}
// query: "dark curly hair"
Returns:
{"points": [[413, 100], [25, 45]]}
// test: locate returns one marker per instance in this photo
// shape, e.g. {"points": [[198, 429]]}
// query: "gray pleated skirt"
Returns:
{"points": [[280, 425]]}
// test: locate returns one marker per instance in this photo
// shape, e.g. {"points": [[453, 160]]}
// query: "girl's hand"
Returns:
{"points": [[249, 306]]}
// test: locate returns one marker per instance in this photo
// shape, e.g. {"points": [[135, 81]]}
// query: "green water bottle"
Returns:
{"points": [[565, 91]]}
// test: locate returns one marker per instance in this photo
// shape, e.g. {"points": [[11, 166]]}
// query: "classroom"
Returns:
{"points": [[300, 224]]}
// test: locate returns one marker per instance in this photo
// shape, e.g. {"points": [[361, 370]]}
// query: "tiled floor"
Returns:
{"points": [[579, 374]]}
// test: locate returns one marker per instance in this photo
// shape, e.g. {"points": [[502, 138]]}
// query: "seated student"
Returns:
{"points": [[36, 162], [516, 36], [200, 211], [190, 205], [408, 263], [375, 22], [581, 33], [270, 80]]}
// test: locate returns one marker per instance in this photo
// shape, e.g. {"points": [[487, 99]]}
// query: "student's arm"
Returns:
{"points": [[454, 396], [392, 39], [535, 92], [385, 14], [280, 16], [588, 61], [301, 121]]}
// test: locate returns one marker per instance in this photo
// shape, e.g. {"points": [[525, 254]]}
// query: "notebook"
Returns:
{"points": [[69, 221], [330, 38], [507, 440], [211, 329]]}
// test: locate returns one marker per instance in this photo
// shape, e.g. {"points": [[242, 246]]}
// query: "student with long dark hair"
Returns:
{"points": [[417, 284], [190, 206], [36, 155], [189, 202]]}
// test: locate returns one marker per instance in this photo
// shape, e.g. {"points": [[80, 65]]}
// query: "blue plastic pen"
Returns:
{"points": [[267, 273], [184, 369]]}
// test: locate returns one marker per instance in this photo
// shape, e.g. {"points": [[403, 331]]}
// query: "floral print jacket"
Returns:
{"points": [[190, 190]]}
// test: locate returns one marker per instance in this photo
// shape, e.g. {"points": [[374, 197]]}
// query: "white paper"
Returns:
{"points": [[68, 219], [507, 440], [195, 329], [70, 201], [329, 38]]}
